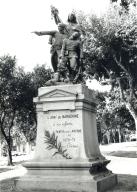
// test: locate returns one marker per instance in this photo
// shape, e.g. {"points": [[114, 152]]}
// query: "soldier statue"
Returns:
{"points": [[66, 50], [71, 56], [57, 40]]}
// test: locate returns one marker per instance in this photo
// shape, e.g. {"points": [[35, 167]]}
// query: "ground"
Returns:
{"points": [[123, 158]]}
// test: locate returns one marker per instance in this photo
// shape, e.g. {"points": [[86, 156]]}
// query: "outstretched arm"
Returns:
{"points": [[40, 33]]}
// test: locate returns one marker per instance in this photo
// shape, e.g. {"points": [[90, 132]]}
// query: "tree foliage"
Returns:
{"points": [[17, 90], [112, 117], [9, 98], [40, 76], [27, 120], [110, 50], [125, 4]]}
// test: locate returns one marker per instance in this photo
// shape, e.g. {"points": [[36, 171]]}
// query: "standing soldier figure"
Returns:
{"points": [[71, 56], [57, 41]]}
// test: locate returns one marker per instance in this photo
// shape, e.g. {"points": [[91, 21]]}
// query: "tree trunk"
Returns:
{"points": [[28, 147], [9, 148], [134, 115], [7, 137], [136, 126], [9, 155], [0, 144]]}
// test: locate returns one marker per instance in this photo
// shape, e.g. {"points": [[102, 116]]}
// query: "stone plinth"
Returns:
{"points": [[67, 155]]}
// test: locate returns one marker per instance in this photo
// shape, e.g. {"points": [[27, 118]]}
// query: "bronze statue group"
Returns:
{"points": [[66, 50]]}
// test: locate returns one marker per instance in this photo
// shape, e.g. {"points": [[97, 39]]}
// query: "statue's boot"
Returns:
{"points": [[54, 80]]}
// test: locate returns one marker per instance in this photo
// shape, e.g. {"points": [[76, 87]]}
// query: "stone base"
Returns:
{"points": [[67, 155], [76, 179], [69, 184]]}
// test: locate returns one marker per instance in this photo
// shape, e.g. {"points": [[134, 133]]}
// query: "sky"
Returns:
{"points": [[18, 18]]}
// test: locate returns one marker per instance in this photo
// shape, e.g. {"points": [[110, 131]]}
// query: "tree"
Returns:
{"points": [[112, 117], [30, 82], [26, 115], [125, 4], [8, 99], [110, 51], [40, 76], [17, 90]]}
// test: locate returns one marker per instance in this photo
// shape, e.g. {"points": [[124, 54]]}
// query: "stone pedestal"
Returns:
{"points": [[67, 155]]}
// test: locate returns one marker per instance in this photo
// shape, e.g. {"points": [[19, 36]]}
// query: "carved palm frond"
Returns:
{"points": [[52, 143]]}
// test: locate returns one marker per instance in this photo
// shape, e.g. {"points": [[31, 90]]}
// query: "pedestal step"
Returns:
{"points": [[79, 180]]}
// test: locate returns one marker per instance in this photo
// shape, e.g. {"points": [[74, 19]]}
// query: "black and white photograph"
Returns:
{"points": [[68, 96]]}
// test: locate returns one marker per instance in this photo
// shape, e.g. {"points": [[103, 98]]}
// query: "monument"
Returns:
{"points": [[67, 155]]}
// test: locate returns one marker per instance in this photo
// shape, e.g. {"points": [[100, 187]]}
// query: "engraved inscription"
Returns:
{"points": [[67, 128]]}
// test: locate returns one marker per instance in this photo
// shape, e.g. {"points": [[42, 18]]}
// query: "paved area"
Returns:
{"points": [[123, 162]]}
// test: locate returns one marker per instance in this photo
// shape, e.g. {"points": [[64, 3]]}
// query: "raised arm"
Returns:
{"points": [[55, 14]]}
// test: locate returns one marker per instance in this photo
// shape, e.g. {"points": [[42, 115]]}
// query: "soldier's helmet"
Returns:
{"points": [[75, 35]]}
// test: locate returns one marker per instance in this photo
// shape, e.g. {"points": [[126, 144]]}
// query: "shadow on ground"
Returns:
{"points": [[8, 168], [127, 154], [5, 169], [125, 183]]}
